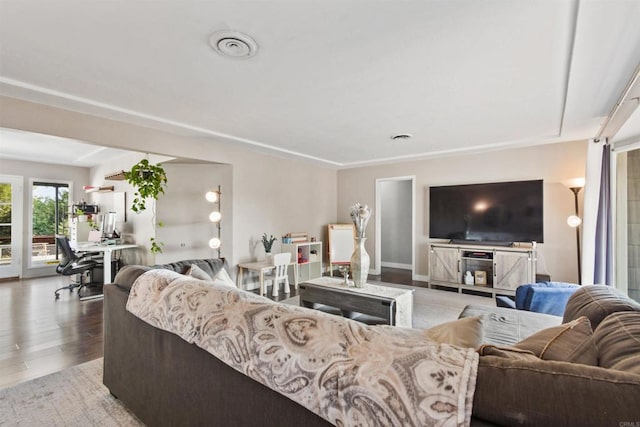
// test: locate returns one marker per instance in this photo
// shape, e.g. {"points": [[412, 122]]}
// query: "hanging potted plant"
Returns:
{"points": [[149, 181]]}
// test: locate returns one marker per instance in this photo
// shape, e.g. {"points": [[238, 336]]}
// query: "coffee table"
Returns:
{"points": [[393, 305]]}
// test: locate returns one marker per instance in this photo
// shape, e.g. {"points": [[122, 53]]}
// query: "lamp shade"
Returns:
{"points": [[212, 196], [214, 243], [215, 216], [574, 183], [574, 221]]}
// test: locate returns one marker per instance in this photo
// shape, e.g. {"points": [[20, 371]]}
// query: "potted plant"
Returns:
{"points": [[267, 242], [81, 216], [149, 181]]}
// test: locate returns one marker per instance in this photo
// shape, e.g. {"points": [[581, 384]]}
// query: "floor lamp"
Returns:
{"points": [[214, 196], [574, 221]]}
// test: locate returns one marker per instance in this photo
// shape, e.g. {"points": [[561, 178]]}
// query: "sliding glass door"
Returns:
{"points": [[10, 226], [49, 216]]}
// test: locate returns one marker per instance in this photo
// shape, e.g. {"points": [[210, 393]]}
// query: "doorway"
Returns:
{"points": [[395, 222], [10, 226]]}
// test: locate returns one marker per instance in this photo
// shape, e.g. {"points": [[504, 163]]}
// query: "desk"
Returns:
{"points": [[261, 267], [107, 251]]}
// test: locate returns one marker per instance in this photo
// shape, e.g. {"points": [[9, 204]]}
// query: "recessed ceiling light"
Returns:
{"points": [[401, 136], [233, 44]]}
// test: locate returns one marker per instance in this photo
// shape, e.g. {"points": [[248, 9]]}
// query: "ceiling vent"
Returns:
{"points": [[233, 44]]}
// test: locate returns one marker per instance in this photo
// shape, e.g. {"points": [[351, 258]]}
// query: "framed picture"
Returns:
{"points": [[481, 277]]}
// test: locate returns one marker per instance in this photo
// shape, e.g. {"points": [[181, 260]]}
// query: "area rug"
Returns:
{"points": [[73, 397]]}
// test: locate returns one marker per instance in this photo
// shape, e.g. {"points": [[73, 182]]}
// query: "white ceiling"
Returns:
{"points": [[39, 148], [332, 80]]}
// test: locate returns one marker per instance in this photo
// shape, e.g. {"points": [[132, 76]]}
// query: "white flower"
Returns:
{"points": [[360, 215]]}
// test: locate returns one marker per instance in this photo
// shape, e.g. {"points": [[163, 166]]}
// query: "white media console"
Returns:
{"points": [[504, 268]]}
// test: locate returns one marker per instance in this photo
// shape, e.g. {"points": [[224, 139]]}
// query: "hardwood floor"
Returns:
{"points": [[397, 275], [39, 335]]}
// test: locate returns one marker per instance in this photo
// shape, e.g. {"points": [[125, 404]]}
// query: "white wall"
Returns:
{"points": [[396, 223], [138, 227], [553, 163], [271, 194], [184, 211], [42, 172]]}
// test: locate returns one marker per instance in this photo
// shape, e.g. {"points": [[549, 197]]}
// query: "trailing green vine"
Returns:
{"points": [[149, 181]]}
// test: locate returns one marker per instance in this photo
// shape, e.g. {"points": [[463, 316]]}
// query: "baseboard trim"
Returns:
{"points": [[421, 277], [396, 265]]}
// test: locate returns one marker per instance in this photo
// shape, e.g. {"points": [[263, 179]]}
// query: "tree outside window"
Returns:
{"points": [[50, 217]]}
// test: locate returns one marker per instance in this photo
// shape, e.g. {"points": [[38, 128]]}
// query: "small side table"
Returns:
{"points": [[260, 267]]}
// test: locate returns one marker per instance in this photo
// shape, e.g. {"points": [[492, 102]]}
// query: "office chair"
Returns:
{"points": [[71, 264]]}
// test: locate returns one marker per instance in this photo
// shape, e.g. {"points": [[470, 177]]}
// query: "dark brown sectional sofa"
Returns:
{"points": [[166, 381]]}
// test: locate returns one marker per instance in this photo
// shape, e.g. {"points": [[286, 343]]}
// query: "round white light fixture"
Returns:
{"points": [[233, 44], [574, 221], [215, 216], [211, 196], [214, 243]]}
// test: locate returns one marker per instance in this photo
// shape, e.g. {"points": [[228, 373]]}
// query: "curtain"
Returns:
{"points": [[597, 251], [603, 263]]}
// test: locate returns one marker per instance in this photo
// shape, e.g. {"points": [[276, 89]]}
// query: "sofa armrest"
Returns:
{"points": [[504, 301], [537, 393], [548, 300]]}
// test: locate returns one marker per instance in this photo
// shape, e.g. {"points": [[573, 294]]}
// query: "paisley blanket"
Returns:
{"points": [[348, 373]]}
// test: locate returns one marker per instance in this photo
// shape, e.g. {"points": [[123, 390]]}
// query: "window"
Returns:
{"points": [[5, 223], [50, 206]]}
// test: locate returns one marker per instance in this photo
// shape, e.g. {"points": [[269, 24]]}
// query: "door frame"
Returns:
{"points": [[378, 222], [17, 202]]}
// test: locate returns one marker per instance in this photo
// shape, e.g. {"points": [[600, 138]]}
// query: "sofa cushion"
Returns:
{"points": [[223, 278], [211, 266], [597, 302], [569, 342], [618, 341], [128, 274], [512, 353], [197, 273], [465, 332], [504, 326], [549, 393]]}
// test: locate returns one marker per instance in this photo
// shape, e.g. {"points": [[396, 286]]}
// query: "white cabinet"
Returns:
{"points": [[496, 270], [445, 264], [512, 269], [308, 259]]}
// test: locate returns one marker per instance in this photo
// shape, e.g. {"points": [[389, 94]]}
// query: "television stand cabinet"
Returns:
{"points": [[496, 270]]}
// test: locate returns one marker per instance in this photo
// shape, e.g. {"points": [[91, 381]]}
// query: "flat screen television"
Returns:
{"points": [[500, 213]]}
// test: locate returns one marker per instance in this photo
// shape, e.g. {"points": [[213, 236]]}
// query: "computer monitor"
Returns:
{"points": [[108, 225]]}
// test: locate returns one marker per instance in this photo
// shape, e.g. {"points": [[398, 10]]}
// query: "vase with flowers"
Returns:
{"points": [[360, 260]]}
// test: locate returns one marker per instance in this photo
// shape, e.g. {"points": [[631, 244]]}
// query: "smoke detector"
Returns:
{"points": [[233, 44]]}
